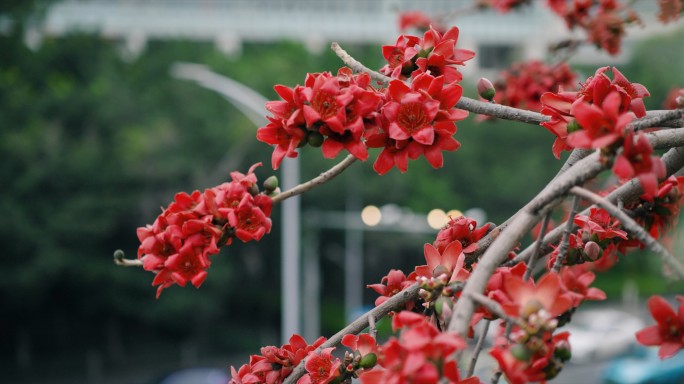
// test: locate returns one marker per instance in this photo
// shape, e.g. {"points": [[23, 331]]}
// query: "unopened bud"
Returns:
{"points": [[592, 250], [423, 294], [368, 360], [563, 350], [254, 190], [485, 89], [119, 255], [315, 139], [443, 303], [680, 101], [520, 352], [573, 126], [271, 184]]}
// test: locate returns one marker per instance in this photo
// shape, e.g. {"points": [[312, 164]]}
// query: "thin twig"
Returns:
{"points": [[628, 192], [478, 348], [565, 241], [393, 303], [634, 229], [493, 307], [472, 105], [372, 330], [122, 262], [537, 245], [316, 181], [521, 223], [356, 65]]}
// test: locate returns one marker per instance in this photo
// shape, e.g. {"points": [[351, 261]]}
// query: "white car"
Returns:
{"points": [[597, 334]]}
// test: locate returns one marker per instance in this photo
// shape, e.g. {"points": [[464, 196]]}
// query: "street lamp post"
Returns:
{"points": [[252, 104]]}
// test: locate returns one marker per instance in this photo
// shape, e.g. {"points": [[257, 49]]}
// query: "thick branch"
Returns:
{"points": [[632, 227], [393, 303], [628, 192], [520, 224], [316, 181]]}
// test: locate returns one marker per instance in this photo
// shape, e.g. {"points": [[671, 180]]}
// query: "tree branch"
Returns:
{"points": [[633, 228], [393, 303], [565, 241], [316, 181], [674, 161]]}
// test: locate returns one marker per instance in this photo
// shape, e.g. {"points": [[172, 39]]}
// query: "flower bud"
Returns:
{"points": [[315, 139], [443, 303], [368, 361], [520, 352], [563, 350], [573, 126], [271, 184], [485, 89], [254, 190], [680, 101], [592, 251]]}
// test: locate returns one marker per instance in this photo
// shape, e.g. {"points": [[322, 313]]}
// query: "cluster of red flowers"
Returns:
{"points": [[533, 352], [669, 10], [446, 255], [598, 116], [523, 84], [661, 214], [668, 333], [178, 244], [604, 21], [345, 112], [274, 364], [421, 354], [599, 237], [502, 6], [596, 241], [419, 21]]}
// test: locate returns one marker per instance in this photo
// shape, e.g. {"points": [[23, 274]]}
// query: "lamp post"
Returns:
{"points": [[252, 104]]}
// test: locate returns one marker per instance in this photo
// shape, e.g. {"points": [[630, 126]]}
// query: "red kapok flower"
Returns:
{"points": [[528, 298], [435, 52], [417, 120], [449, 262], [600, 126], [421, 354], [576, 281], [504, 6], [669, 10], [600, 223], [635, 160], [462, 229], [363, 343], [390, 285], [322, 368], [557, 105], [668, 333], [523, 84], [418, 20], [286, 139]]}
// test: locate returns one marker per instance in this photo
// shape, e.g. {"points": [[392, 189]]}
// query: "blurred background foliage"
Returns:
{"points": [[92, 145]]}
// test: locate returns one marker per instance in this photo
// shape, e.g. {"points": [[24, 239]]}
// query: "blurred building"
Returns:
{"points": [[499, 39]]}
